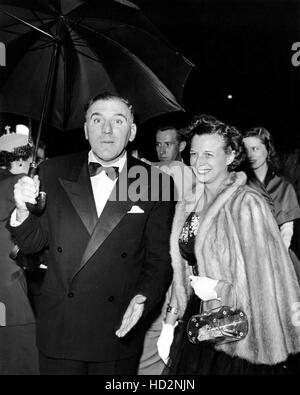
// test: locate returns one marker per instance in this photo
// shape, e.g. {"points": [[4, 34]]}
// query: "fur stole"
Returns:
{"points": [[239, 244]]}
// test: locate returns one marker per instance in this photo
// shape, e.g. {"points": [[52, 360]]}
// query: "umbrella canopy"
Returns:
{"points": [[106, 45]]}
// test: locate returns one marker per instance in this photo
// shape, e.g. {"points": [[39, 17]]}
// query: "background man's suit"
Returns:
{"points": [[96, 266]]}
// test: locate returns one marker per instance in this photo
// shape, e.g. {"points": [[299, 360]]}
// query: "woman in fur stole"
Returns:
{"points": [[225, 231], [263, 174]]}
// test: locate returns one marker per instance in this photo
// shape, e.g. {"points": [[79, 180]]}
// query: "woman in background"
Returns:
{"points": [[263, 173], [18, 352]]}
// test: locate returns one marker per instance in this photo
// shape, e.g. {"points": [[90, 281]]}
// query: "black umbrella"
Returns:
{"points": [[62, 52]]}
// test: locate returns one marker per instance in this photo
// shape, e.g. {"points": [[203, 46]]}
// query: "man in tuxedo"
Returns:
{"points": [[107, 231]]}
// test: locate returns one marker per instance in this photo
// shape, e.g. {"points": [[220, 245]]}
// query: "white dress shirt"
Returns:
{"points": [[102, 185]]}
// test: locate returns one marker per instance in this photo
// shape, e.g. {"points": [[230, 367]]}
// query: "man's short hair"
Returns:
{"points": [[180, 132], [109, 96]]}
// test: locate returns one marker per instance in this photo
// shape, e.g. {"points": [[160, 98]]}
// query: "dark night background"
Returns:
{"points": [[242, 48]]}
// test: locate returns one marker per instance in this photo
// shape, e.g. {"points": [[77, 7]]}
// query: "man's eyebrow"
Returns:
{"points": [[121, 115], [117, 114], [95, 113]]}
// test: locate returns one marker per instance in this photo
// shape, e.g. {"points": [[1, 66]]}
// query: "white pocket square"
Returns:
{"points": [[135, 210]]}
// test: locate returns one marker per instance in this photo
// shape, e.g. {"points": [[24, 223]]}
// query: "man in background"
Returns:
{"points": [[42, 152], [170, 143]]}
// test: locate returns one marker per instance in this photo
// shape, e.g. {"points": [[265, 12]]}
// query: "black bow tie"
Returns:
{"points": [[111, 171]]}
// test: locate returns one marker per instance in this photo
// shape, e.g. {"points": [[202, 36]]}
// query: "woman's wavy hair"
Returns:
{"points": [[207, 124], [265, 137], [24, 152]]}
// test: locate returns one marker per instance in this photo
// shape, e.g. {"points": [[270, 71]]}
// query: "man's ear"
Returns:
{"points": [[85, 131], [182, 146], [133, 130]]}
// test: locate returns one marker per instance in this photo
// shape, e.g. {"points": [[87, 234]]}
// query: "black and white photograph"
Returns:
{"points": [[150, 190]]}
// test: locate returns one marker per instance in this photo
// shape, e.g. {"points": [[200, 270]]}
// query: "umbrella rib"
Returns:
{"points": [[29, 25], [135, 27], [41, 46], [79, 22], [88, 56], [117, 44], [39, 19], [99, 34], [18, 34], [8, 29], [158, 34]]}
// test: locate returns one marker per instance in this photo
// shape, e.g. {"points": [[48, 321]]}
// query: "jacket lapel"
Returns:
{"points": [[79, 191], [115, 209], [109, 219]]}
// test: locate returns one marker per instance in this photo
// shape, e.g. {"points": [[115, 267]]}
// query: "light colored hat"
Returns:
{"points": [[12, 140]]}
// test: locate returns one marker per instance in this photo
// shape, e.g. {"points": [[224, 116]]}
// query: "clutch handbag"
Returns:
{"points": [[220, 325]]}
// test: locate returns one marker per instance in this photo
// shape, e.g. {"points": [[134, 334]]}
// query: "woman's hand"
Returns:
{"points": [[165, 341], [204, 287]]}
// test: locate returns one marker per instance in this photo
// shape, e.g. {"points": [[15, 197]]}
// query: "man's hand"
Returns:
{"points": [[26, 191], [132, 315]]}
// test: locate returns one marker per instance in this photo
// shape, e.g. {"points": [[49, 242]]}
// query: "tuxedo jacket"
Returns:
{"points": [[96, 266]]}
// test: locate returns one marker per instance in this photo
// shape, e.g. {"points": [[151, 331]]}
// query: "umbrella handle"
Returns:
{"points": [[40, 205]]}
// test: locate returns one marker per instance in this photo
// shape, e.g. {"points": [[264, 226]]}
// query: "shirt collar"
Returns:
{"points": [[120, 162]]}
